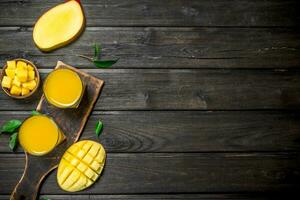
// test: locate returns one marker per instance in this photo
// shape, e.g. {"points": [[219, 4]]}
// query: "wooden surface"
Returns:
{"points": [[203, 103]]}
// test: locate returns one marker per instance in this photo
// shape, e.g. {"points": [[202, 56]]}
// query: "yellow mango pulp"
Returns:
{"points": [[63, 88], [38, 135], [81, 165], [10, 73], [11, 64], [24, 91], [59, 26], [15, 90], [16, 82], [29, 85], [6, 82], [20, 78]]}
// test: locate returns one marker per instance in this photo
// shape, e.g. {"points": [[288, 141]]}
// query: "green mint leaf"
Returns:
{"points": [[13, 140], [104, 63], [99, 127], [97, 50], [34, 113], [11, 126]]}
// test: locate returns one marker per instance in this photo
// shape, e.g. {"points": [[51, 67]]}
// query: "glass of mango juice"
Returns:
{"points": [[39, 135], [63, 88]]}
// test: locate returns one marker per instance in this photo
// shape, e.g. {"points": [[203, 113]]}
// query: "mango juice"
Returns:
{"points": [[63, 88], [38, 135]]}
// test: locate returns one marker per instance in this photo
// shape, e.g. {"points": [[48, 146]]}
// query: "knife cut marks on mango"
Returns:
{"points": [[59, 26], [71, 123], [81, 165]]}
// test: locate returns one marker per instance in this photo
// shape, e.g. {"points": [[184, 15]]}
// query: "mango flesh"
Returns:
{"points": [[6, 82], [59, 26], [81, 165], [19, 78]]}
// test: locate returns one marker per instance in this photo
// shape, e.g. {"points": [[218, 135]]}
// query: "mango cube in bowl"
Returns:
{"points": [[20, 78]]}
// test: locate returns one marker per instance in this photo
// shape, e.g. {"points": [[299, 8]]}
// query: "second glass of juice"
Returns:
{"points": [[39, 135]]}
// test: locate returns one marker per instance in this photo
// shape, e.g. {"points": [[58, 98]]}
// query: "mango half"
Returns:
{"points": [[59, 26], [81, 165]]}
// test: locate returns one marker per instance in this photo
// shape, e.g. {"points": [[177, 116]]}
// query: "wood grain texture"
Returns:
{"points": [[244, 196], [163, 13], [187, 131], [160, 47], [188, 90], [181, 173]]}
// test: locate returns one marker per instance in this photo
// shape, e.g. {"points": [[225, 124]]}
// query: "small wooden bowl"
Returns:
{"points": [[36, 74]]}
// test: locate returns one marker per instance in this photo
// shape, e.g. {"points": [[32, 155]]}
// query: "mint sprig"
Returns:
{"points": [[11, 126], [96, 59], [13, 141]]}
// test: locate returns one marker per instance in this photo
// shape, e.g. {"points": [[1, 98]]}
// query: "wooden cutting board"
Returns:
{"points": [[71, 122]]}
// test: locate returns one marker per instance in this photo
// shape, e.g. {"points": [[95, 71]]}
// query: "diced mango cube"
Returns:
{"points": [[16, 82], [11, 64], [24, 91], [30, 68], [29, 85], [10, 73], [6, 82], [15, 90], [22, 75], [31, 75], [21, 65]]}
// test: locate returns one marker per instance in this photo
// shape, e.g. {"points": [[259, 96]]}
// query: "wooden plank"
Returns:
{"points": [[160, 47], [163, 13], [187, 131], [180, 173], [155, 89], [162, 196]]}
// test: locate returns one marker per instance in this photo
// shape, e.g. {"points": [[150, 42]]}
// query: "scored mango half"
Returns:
{"points": [[81, 165]]}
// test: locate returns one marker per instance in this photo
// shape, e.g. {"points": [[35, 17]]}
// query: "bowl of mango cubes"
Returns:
{"points": [[19, 78]]}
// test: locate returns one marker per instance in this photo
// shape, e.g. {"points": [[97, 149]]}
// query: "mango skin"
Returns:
{"points": [[81, 165]]}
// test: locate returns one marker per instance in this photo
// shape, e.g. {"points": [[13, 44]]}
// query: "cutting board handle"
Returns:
{"points": [[28, 186]]}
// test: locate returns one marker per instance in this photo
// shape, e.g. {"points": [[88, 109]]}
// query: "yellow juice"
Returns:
{"points": [[63, 88], [38, 135]]}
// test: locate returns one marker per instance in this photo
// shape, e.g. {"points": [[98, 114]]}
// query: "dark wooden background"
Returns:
{"points": [[203, 103]]}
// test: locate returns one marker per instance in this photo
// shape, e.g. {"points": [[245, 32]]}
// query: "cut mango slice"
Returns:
{"points": [[10, 73], [22, 74], [24, 91], [21, 65], [59, 26], [6, 82], [30, 68], [31, 75], [11, 64], [17, 82], [81, 165], [15, 90], [29, 85]]}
